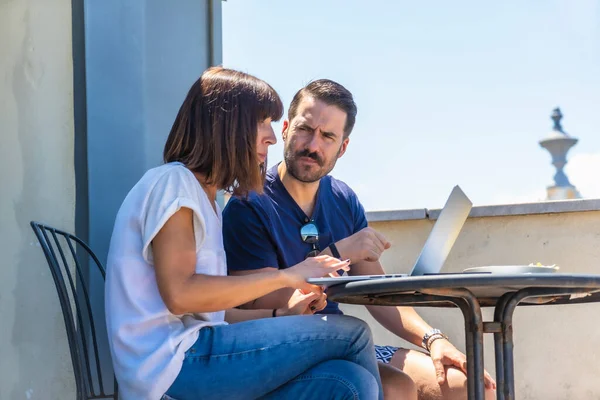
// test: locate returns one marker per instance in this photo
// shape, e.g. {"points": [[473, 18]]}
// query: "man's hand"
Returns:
{"points": [[304, 303], [444, 354], [367, 244]]}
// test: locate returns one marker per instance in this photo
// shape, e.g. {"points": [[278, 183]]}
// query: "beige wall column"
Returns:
{"points": [[37, 181]]}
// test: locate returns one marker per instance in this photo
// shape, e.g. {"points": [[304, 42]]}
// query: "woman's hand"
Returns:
{"points": [[313, 267], [302, 303]]}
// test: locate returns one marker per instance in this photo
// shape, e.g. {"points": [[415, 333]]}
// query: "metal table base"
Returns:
{"points": [[475, 327]]}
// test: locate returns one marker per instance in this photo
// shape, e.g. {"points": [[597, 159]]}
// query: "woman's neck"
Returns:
{"points": [[210, 190]]}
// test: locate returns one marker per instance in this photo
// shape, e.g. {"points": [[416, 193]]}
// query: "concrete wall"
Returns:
{"points": [[556, 347], [133, 63], [141, 59], [36, 182]]}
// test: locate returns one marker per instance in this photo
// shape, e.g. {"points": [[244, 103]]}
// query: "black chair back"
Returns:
{"points": [[68, 257]]}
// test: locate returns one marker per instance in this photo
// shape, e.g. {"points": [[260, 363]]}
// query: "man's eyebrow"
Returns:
{"points": [[304, 125]]}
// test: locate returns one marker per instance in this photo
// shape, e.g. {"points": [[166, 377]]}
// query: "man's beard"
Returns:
{"points": [[306, 174]]}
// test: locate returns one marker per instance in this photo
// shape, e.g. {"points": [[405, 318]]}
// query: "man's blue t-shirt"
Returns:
{"points": [[264, 230]]}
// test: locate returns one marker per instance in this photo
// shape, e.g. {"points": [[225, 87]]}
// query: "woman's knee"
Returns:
{"points": [[353, 327]]}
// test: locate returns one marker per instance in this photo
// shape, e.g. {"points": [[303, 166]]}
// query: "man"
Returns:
{"points": [[263, 232]]}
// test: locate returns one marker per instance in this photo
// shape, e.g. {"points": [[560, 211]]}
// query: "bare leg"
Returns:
{"points": [[420, 368], [396, 384]]}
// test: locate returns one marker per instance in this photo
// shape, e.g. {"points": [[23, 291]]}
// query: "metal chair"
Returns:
{"points": [[66, 255]]}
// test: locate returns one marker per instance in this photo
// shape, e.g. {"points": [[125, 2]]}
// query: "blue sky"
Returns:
{"points": [[447, 92]]}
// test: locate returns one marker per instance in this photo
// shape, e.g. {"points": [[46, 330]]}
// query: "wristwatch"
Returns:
{"points": [[431, 337]]}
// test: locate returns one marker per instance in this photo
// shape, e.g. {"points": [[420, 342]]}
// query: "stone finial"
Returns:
{"points": [[558, 144], [557, 117]]}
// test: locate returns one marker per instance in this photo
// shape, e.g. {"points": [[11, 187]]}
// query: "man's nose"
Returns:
{"points": [[314, 145]]}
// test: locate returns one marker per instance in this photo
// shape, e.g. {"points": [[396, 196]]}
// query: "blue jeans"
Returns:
{"points": [[299, 357]]}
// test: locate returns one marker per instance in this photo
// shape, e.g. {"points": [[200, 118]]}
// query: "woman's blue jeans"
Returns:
{"points": [[297, 357]]}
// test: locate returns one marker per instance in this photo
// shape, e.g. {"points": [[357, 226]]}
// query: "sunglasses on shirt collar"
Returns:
{"points": [[310, 234]]}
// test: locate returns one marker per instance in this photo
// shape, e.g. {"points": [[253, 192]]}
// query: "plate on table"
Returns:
{"points": [[514, 269]]}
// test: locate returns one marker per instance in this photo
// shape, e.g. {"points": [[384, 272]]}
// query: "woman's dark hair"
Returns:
{"points": [[215, 130]]}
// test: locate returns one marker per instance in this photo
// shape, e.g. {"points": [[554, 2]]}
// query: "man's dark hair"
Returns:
{"points": [[331, 93]]}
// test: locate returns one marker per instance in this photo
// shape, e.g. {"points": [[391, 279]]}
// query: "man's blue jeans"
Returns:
{"points": [[299, 357]]}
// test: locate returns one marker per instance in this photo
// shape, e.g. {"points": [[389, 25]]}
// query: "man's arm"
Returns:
{"points": [[364, 249], [407, 324], [402, 321], [368, 244]]}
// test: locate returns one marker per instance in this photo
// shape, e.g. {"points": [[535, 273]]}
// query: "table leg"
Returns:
{"points": [[474, 345], [510, 305], [498, 346], [508, 388], [471, 310]]}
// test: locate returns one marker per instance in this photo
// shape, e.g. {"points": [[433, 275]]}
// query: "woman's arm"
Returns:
{"points": [[184, 291], [299, 303], [234, 315]]}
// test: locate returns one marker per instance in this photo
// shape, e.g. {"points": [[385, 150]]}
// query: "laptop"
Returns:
{"points": [[436, 249]]}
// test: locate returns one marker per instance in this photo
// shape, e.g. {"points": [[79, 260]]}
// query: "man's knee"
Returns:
{"points": [[396, 384], [457, 381]]}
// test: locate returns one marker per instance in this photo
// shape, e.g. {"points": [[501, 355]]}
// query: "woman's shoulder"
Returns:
{"points": [[171, 171], [169, 177], [163, 184]]}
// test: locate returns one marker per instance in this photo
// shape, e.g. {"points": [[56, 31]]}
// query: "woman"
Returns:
{"points": [[172, 323]]}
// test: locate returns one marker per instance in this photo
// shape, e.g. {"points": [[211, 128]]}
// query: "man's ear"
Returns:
{"points": [[344, 147], [284, 131]]}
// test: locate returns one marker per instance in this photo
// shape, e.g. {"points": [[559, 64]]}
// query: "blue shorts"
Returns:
{"points": [[384, 354]]}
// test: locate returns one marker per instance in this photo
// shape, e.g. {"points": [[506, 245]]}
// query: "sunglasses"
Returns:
{"points": [[310, 234]]}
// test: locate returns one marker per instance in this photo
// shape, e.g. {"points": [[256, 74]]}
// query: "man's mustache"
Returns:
{"points": [[313, 155]]}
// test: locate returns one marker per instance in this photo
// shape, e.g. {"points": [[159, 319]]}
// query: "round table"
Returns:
{"points": [[470, 292]]}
